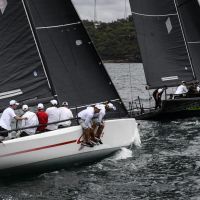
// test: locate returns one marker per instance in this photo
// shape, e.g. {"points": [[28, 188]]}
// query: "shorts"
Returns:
{"points": [[4, 134], [96, 121], [82, 123]]}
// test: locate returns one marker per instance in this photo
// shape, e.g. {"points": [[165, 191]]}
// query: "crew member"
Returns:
{"points": [[42, 118], [182, 89], [31, 121], [65, 114], [53, 115], [157, 95], [98, 124], [85, 121], [6, 118]]}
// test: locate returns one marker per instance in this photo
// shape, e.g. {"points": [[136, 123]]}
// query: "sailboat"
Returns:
{"points": [[46, 53], [168, 33]]}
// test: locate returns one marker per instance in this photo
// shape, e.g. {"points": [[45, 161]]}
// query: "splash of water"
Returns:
{"points": [[123, 154]]}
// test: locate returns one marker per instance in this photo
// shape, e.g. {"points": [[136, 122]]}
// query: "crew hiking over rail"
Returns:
{"points": [[91, 120]]}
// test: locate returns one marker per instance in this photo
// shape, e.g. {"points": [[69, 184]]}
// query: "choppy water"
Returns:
{"points": [[167, 166]]}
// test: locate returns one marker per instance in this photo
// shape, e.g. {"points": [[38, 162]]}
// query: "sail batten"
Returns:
{"points": [[163, 42], [58, 26], [158, 15]]}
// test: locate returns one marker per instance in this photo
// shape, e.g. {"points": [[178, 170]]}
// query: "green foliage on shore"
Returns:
{"points": [[115, 41]]}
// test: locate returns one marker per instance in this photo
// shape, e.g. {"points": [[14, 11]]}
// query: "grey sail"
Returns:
{"points": [[190, 14], [22, 75], [76, 71], [46, 52], [162, 42]]}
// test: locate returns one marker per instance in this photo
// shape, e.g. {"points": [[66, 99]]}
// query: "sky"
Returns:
{"points": [[107, 10]]}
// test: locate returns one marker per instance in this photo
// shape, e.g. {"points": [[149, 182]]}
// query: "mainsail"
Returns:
{"points": [[63, 51], [166, 52]]}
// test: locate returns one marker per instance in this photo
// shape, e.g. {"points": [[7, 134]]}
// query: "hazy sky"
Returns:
{"points": [[107, 10]]}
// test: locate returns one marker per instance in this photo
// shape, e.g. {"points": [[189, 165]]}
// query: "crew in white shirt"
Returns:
{"points": [[32, 120], [182, 89], [98, 124], [65, 113], [6, 118], [85, 121], [53, 115]]}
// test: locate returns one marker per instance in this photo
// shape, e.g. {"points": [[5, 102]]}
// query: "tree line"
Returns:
{"points": [[115, 41]]}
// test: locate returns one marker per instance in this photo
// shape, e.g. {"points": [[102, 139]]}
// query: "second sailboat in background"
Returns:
{"points": [[169, 38]]}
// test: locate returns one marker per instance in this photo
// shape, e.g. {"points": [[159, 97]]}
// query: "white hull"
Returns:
{"points": [[62, 147]]}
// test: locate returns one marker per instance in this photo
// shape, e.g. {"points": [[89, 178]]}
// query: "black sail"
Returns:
{"points": [[22, 75], [162, 42], [190, 17], [74, 66]]}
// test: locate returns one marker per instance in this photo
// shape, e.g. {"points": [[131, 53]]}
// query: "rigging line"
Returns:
{"points": [[73, 81], [147, 15], [92, 104], [125, 9], [184, 38], [95, 10], [36, 44], [150, 97], [130, 79]]}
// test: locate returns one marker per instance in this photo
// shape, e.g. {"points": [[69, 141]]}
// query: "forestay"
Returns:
{"points": [[163, 43]]}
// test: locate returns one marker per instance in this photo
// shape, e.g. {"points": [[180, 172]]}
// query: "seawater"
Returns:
{"points": [[167, 166]]}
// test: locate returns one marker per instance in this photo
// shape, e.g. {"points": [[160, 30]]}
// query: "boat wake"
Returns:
{"points": [[123, 154]]}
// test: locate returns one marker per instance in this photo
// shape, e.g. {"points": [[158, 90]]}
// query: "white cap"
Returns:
{"points": [[13, 102], [65, 103], [111, 106], [40, 106], [54, 102], [160, 90], [24, 107]]}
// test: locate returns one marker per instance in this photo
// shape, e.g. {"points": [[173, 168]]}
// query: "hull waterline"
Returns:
{"points": [[61, 148]]}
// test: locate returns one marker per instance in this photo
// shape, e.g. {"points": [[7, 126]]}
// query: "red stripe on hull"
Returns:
{"points": [[39, 148]]}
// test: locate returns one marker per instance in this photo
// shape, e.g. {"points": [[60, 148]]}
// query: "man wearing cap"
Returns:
{"points": [[65, 114], [42, 118], [53, 115], [157, 94], [6, 118], [98, 120], [85, 121], [32, 120], [181, 89]]}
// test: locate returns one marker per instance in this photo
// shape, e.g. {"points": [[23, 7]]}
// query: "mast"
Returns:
{"points": [[184, 37], [42, 59]]}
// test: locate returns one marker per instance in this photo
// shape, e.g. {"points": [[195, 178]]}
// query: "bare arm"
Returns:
{"points": [[20, 118]]}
